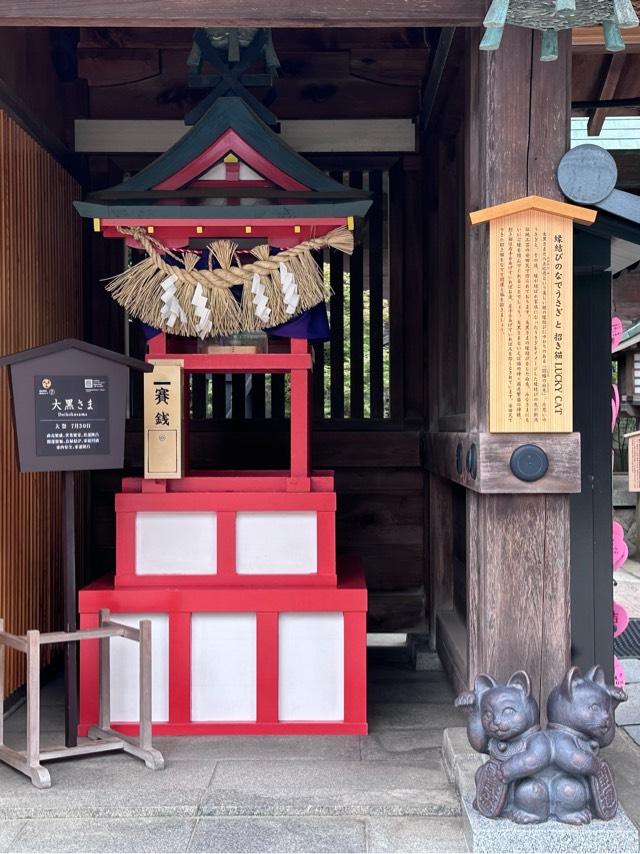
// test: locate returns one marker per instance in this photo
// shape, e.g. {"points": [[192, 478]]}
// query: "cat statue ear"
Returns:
{"points": [[571, 675], [596, 674], [484, 683], [520, 679]]}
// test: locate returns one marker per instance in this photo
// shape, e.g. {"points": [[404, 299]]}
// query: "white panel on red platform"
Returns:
{"points": [[125, 669], [223, 667], [311, 667], [176, 543], [276, 542]]}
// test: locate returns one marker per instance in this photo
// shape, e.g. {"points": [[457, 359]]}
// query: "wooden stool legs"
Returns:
{"points": [[106, 740]]}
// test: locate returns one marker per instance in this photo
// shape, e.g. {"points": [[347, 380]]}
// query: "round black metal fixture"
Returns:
{"points": [[529, 463], [472, 461]]}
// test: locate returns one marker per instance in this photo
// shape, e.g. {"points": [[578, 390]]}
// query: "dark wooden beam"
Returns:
{"points": [[203, 13], [615, 64], [628, 163], [434, 78]]}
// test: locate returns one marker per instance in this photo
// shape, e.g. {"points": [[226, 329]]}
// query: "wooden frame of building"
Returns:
{"points": [[497, 575]]}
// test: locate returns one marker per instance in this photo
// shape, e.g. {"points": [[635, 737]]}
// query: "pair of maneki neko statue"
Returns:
{"points": [[536, 774]]}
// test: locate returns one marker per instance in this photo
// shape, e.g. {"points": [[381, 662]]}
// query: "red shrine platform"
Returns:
{"points": [[237, 660], [257, 628]]}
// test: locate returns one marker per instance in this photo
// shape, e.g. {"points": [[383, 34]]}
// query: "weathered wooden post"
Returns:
{"points": [[517, 544]]}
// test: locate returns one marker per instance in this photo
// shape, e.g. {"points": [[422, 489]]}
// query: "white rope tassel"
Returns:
{"points": [[199, 300], [289, 290], [171, 310], [260, 300]]}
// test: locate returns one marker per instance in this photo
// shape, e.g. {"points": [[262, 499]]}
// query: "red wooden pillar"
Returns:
{"points": [[518, 122]]}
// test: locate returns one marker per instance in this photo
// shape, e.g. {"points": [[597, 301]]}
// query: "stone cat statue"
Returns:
{"points": [[533, 775], [581, 720], [504, 721]]}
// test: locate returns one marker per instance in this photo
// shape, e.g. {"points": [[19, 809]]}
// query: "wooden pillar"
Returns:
{"points": [[518, 120]]}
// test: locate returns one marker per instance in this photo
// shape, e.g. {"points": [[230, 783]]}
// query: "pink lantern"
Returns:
{"points": [[620, 619], [616, 332], [620, 549], [615, 406]]}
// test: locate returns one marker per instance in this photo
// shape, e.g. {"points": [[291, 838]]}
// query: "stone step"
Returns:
{"points": [[293, 787]]}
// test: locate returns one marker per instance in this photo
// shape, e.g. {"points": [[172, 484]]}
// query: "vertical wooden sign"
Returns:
{"points": [[633, 446], [163, 419], [530, 314]]}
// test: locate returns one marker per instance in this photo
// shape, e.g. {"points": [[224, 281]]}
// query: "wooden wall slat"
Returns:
{"points": [[356, 342], [336, 314], [40, 301], [376, 253], [257, 396], [277, 395], [237, 396], [198, 396], [219, 396]]}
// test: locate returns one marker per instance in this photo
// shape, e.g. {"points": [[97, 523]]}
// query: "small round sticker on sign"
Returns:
{"points": [[620, 619], [620, 550]]}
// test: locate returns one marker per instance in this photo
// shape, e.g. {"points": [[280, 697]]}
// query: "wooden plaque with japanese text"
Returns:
{"points": [[163, 420], [530, 315], [530, 320], [633, 445]]}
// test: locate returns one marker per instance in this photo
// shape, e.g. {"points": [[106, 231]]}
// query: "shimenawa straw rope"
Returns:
{"points": [[140, 288]]}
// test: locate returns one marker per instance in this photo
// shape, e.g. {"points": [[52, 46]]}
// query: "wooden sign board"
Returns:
{"points": [[530, 314], [69, 405], [633, 446], [163, 393]]}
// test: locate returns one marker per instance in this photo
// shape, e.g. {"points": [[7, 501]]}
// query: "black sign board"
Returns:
{"points": [[70, 406], [72, 415]]}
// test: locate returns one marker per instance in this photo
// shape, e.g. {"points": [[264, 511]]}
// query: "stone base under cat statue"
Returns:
{"points": [[541, 789]]}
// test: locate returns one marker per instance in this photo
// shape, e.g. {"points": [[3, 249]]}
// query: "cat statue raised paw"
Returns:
{"points": [[533, 775]]}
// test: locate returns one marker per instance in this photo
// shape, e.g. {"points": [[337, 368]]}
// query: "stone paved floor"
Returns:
{"points": [[627, 590], [628, 714], [384, 792]]}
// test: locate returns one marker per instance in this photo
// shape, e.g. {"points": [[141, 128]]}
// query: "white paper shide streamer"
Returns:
{"points": [[199, 300], [260, 300], [171, 309], [290, 292]]}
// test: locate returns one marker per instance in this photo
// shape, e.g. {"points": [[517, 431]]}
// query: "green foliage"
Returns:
{"points": [[366, 326]]}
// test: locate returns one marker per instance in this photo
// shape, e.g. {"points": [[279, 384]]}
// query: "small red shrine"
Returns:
{"points": [[257, 628]]}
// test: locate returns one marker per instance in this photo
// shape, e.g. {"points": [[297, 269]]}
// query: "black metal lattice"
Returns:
{"points": [[628, 644]]}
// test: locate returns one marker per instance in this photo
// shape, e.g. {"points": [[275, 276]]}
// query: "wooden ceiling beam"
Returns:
{"points": [[607, 92], [276, 13], [591, 39]]}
